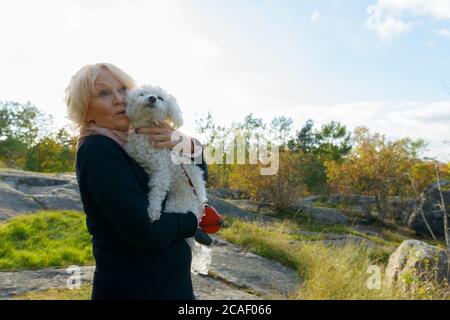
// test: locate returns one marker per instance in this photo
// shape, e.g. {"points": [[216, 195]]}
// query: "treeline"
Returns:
{"points": [[28, 142], [312, 160], [322, 161]]}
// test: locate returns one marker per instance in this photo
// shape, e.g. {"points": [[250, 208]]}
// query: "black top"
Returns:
{"points": [[135, 259]]}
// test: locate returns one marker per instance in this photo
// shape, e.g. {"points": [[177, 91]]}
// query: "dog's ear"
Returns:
{"points": [[174, 113]]}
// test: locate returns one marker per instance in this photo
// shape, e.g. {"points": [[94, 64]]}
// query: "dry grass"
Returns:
{"points": [[330, 272]]}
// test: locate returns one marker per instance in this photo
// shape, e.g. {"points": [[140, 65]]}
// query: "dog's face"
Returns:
{"points": [[147, 104]]}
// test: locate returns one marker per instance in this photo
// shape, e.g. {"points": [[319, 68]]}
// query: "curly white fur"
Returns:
{"points": [[145, 106]]}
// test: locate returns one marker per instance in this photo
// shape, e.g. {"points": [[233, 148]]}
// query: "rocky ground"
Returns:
{"points": [[233, 272], [232, 276]]}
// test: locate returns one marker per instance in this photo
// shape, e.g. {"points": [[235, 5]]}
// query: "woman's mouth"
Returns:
{"points": [[120, 112]]}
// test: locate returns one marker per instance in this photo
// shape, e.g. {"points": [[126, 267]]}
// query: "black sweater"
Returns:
{"points": [[135, 259]]}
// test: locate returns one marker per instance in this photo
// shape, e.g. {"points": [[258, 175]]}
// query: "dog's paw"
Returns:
{"points": [[153, 215]]}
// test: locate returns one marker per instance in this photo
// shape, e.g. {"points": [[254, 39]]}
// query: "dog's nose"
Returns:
{"points": [[152, 99]]}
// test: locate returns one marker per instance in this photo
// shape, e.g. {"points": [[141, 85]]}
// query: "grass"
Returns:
{"points": [[300, 221], [44, 239], [329, 272]]}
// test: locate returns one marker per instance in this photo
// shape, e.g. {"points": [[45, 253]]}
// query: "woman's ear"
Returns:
{"points": [[174, 113]]}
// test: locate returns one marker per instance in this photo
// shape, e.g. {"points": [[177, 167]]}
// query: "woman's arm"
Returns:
{"points": [[121, 199]]}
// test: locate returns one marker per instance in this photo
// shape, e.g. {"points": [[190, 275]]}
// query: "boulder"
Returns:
{"points": [[321, 214], [307, 200], [355, 199], [26, 192], [224, 207], [427, 204], [19, 282], [60, 199], [26, 180], [229, 194], [253, 206], [416, 261], [252, 273], [14, 202]]}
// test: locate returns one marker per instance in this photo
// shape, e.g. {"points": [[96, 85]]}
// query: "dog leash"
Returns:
{"points": [[200, 236], [190, 182]]}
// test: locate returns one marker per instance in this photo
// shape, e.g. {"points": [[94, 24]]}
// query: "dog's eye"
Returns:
{"points": [[160, 98], [142, 94]]}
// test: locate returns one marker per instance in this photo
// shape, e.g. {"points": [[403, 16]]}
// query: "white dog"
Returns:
{"points": [[146, 106]]}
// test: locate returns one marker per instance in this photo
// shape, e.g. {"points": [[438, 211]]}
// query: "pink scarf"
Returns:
{"points": [[121, 137]]}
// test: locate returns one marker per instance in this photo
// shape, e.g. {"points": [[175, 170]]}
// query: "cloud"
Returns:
{"points": [[390, 18], [444, 32], [439, 9], [315, 17], [430, 122], [391, 27]]}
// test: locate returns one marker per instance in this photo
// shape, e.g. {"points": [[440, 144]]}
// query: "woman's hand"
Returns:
{"points": [[165, 137]]}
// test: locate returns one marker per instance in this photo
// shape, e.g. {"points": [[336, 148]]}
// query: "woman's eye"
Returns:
{"points": [[124, 89], [103, 93], [160, 98]]}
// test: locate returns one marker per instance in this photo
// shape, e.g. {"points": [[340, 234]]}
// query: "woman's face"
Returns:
{"points": [[107, 106]]}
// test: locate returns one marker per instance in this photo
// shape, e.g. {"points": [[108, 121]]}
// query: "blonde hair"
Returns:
{"points": [[81, 88]]}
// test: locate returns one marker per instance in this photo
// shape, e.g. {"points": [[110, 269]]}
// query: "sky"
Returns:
{"points": [[383, 64]]}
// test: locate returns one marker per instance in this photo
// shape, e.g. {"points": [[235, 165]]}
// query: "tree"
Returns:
{"points": [[280, 129], [20, 125], [331, 142], [378, 168], [13, 152], [53, 153], [280, 189]]}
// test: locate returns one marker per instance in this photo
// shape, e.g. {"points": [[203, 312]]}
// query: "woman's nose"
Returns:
{"points": [[120, 98]]}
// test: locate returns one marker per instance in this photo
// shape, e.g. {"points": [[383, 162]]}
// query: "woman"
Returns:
{"points": [[135, 259]]}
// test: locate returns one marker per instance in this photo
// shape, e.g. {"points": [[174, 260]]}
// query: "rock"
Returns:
{"points": [[13, 283], [352, 199], [208, 288], [226, 208], [229, 194], [16, 283], [253, 206], [416, 260], [14, 202], [367, 230], [251, 272], [234, 274], [428, 204], [307, 200], [25, 192], [25, 179], [60, 199], [321, 214]]}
